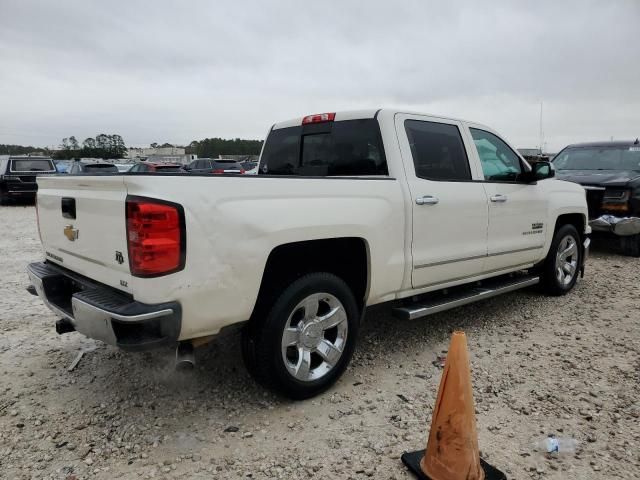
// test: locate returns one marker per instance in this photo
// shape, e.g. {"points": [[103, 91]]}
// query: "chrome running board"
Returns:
{"points": [[491, 288]]}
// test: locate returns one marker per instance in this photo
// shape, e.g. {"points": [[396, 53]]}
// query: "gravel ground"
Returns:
{"points": [[569, 366]]}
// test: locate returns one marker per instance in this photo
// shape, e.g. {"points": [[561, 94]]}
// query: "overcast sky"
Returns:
{"points": [[177, 71]]}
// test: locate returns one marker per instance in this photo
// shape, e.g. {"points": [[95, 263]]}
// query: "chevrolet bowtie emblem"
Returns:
{"points": [[71, 233]]}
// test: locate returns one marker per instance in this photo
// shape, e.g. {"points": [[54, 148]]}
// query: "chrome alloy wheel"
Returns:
{"points": [[567, 260], [314, 337]]}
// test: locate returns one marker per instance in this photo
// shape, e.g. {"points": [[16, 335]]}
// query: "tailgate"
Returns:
{"points": [[89, 236]]}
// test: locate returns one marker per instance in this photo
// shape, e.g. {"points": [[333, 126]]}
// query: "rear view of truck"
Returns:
{"points": [[18, 176], [96, 240]]}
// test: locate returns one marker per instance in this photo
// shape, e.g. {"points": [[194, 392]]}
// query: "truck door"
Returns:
{"points": [[517, 210], [449, 209]]}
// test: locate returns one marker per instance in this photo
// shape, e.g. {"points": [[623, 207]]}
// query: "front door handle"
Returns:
{"points": [[499, 198], [427, 200]]}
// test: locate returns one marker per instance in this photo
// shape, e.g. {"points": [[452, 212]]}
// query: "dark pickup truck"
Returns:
{"points": [[610, 174], [18, 176]]}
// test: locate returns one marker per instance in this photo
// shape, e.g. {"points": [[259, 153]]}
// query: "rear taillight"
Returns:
{"points": [[242, 170], [319, 118], [217, 171], [155, 237]]}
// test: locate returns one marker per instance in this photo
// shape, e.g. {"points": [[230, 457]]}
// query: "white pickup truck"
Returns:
{"points": [[348, 210]]}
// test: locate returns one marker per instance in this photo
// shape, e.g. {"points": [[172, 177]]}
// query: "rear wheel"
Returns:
{"points": [[561, 267], [631, 245], [306, 340]]}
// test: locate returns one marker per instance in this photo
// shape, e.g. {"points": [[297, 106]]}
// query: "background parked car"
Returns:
{"points": [[63, 166], [153, 167], [83, 168], [610, 174], [18, 176], [124, 167], [209, 165], [249, 164]]}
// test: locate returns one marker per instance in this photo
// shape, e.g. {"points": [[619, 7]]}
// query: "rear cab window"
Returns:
{"points": [[341, 148], [31, 165]]}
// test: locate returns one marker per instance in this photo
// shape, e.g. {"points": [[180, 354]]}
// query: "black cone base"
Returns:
{"points": [[412, 461]]}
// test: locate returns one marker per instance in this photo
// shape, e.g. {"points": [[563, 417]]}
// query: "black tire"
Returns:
{"points": [[4, 198], [550, 281], [630, 245], [262, 342]]}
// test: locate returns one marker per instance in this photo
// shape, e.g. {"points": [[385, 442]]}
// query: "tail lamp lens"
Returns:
{"points": [[155, 237], [319, 118]]}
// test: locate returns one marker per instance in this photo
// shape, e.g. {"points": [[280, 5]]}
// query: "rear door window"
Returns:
{"points": [[438, 151], [344, 148]]}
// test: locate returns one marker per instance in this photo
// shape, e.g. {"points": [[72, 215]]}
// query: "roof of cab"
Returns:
{"points": [[343, 115], [360, 114]]}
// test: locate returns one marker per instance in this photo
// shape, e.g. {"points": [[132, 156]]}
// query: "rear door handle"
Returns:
{"points": [[499, 198], [427, 200]]}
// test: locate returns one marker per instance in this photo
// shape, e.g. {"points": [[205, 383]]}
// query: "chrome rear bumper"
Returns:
{"points": [[104, 313]]}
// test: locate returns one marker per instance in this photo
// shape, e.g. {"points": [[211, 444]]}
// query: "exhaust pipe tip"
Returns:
{"points": [[64, 325], [185, 358]]}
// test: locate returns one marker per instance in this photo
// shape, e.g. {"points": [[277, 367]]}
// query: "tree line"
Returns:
{"points": [[113, 146], [102, 146], [212, 147], [6, 149]]}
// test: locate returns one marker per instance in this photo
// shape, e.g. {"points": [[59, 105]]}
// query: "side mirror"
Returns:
{"points": [[539, 171], [542, 170]]}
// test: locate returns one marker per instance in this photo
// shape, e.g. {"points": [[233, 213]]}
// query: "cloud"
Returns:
{"points": [[178, 71]]}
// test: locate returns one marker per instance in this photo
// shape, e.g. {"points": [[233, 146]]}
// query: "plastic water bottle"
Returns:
{"points": [[556, 445]]}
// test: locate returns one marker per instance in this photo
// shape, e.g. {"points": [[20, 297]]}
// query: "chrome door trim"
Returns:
{"points": [[476, 257]]}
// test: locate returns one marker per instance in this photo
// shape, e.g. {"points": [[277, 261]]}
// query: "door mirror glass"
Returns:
{"points": [[542, 170]]}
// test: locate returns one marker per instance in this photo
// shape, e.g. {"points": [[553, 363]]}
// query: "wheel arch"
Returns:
{"points": [[578, 220], [346, 257]]}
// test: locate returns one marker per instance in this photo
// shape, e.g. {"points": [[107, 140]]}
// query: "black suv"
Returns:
{"points": [[18, 176], [214, 165], [610, 174]]}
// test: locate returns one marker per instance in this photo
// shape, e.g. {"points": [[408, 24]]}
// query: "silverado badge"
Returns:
{"points": [[71, 233]]}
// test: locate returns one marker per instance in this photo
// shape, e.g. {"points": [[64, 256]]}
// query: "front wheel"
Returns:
{"points": [[562, 265], [305, 341]]}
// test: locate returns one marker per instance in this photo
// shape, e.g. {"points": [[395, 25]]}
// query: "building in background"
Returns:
{"points": [[160, 155]]}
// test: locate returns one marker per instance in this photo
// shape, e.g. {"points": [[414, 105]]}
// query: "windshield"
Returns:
{"points": [[599, 158], [31, 165]]}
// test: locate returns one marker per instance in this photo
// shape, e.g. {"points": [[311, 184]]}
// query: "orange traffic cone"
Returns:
{"points": [[452, 448]]}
